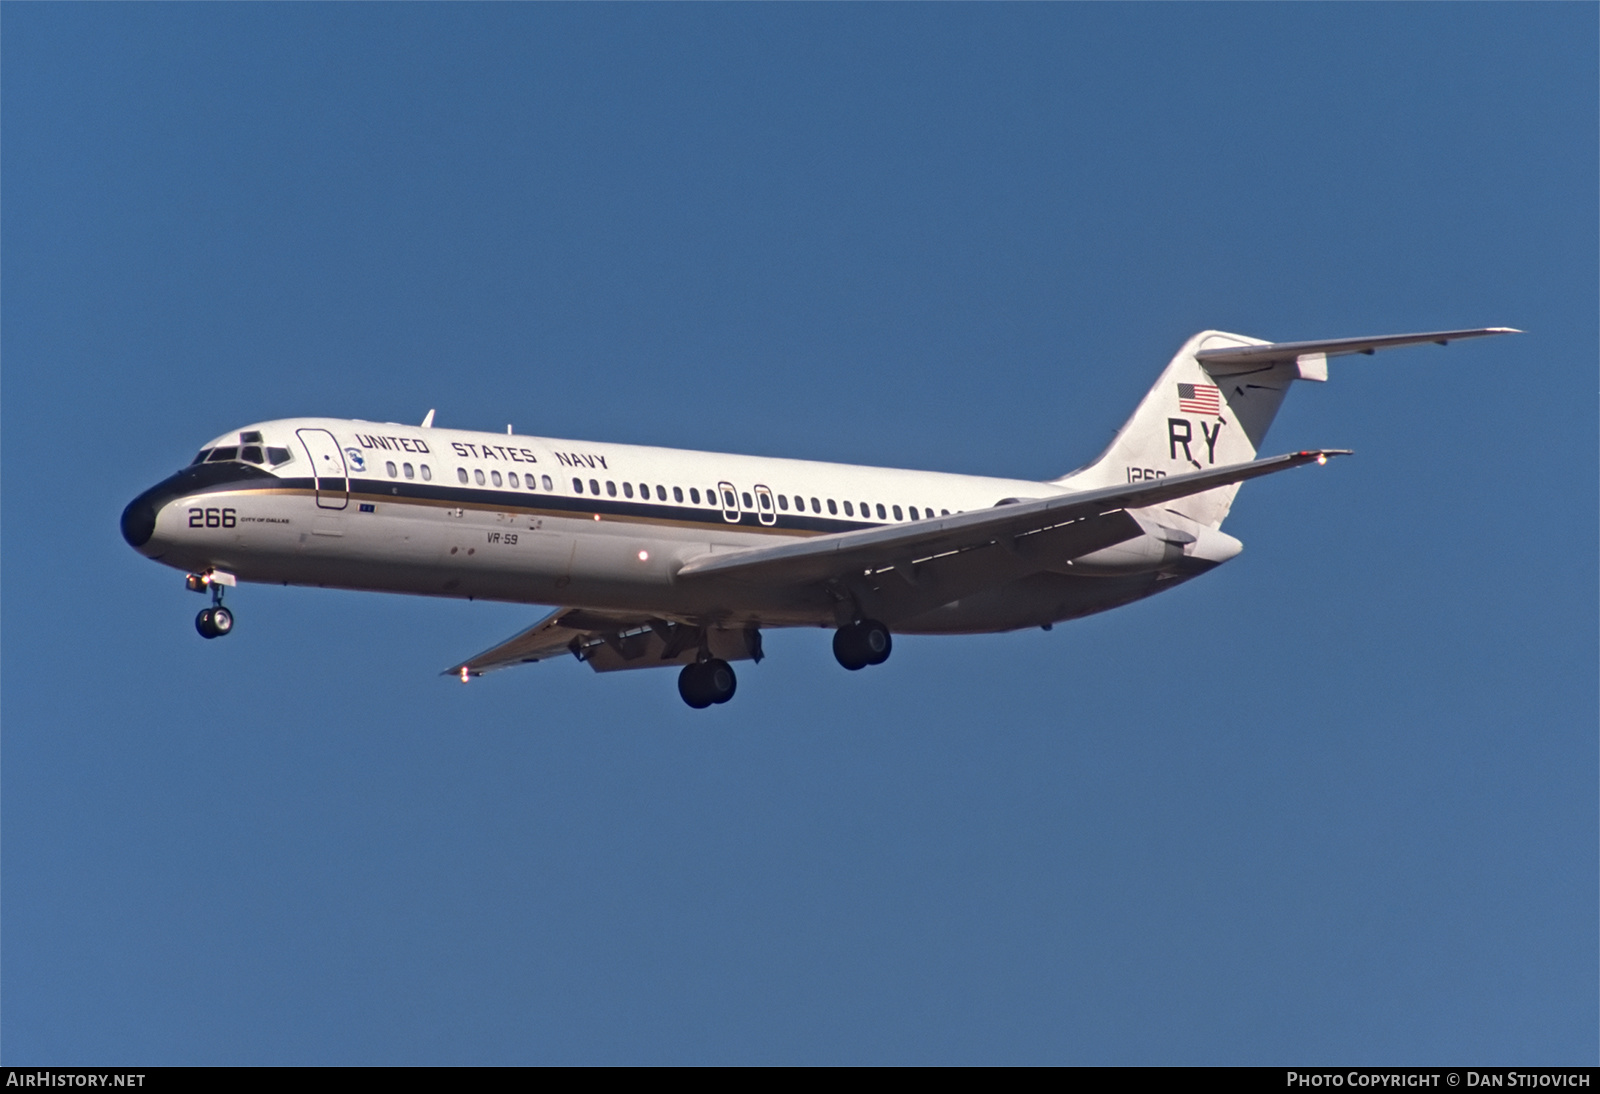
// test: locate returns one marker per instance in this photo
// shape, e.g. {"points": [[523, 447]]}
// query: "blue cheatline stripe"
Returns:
{"points": [[584, 506]]}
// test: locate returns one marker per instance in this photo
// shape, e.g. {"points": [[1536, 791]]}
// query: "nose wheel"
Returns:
{"points": [[707, 682], [215, 621], [862, 643]]}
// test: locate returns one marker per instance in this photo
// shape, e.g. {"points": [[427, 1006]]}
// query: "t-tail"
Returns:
{"points": [[1213, 405]]}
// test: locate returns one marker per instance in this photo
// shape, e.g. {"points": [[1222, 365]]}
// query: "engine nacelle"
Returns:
{"points": [[1157, 547]]}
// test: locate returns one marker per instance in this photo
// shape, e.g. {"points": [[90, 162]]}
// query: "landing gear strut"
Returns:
{"points": [[215, 621], [707, 682], [865, 642]]}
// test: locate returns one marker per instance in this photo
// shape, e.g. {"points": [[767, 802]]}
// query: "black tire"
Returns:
{"points": [[847, 649], [221, 621], [692, 686], [721, 682], [202, 623], [861, 644]]}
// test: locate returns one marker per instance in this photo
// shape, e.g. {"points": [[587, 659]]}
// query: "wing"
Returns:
{"points": [[1223, 362], [1078, 522], [608, 642]]}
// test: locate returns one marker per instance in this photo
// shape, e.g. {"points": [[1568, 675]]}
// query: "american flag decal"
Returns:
{"points": [[1199, 399]]}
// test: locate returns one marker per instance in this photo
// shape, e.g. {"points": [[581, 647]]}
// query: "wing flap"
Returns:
{"points": [[1235, 359], [904, 545], [608, 643], [545, 639]]}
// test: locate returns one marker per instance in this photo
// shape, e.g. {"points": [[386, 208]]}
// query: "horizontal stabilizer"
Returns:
{"points": [[1233, 359]]}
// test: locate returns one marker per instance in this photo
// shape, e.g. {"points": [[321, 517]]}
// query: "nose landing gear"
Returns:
{"points": [[215, 621], [705, 682], [862, 643]]}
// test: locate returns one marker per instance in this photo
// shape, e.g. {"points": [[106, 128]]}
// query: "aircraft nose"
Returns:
{"points": [[139, 520]]}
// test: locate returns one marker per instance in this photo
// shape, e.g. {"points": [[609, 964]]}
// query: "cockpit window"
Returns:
{"points": [[201, 457], [223, 452], [278, 456], [251, 436], [251, 453]]}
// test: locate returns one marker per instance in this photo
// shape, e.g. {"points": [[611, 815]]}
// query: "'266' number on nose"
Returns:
{"points": [[213, 518]]}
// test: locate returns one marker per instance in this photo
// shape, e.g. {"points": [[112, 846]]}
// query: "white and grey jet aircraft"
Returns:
{"points": [[658, 557]]}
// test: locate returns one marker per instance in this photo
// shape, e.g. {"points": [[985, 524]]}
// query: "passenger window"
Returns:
{"points": [[477, 475], [816, 506], [461, 474], [881, 514], [516, 483], [394, 471], [747, 502], [548, 485], [694, 495], [278, 456], [944, 512], [644, 491], [627, 489], [577, 486], [251, 454], [594, 487], [766, 501], [427, 473], [783, 503], [611, 488], [848, 511], [832, 508], [222, 453], [495, 475], [728, 500], [410, 471], [913, 511], [677, 494], [897, 513]]}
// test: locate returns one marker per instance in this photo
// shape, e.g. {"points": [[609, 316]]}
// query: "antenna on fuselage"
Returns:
{"points": [[427, 423]]}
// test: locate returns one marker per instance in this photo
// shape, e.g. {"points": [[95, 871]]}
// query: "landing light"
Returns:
{"points": [[644, 556], [465, 673], [1322, 459]]}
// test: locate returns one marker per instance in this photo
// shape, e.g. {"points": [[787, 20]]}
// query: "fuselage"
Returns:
{"points": [[439, 512]]}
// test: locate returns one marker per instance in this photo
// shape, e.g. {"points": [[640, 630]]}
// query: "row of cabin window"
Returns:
{"points": [[729, 501], [849, 509], [494, 477]]}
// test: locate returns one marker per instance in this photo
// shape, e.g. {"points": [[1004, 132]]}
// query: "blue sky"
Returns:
{"points": [[1333, 803]]}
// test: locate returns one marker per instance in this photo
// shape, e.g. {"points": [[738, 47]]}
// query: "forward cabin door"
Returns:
{"points": [[327, 465]]}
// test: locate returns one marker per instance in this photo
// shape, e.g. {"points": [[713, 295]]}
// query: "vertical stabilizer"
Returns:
{"points": [[1192, 420]]}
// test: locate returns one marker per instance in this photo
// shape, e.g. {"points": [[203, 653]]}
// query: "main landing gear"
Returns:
{"points": [[862, 643], [705, 682], [215, 621]]}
